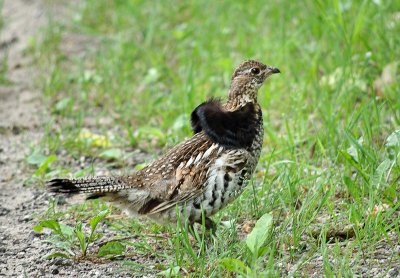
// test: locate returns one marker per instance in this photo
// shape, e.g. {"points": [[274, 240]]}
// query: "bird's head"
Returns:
{"points": [[248, 78], [253, 73]]}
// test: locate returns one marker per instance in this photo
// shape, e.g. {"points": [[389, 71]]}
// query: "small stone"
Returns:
{"points": [[19, 269], [4, 211], [27, 218], [55, 271]]}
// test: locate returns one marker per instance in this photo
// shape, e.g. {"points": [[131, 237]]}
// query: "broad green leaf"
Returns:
{"points": [[111, 248], [170, 272], [392, 144], [44, 166], [38, 229], [111, 154], [66, 230], [81, 237], [95, 220], [353, 149], [146, 132], [51, 224], [180, 122], [260, 233], [36, 158], [140, 166], [57, 255], [63, 103], [235, 265], [60, 242], [354, 163], [380, 172], [393, 139], [53, 173]]}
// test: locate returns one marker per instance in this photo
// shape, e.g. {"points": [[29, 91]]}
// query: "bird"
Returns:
{"points": [[201, 175]]}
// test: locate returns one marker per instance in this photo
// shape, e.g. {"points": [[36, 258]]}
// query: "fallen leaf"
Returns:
{"points": [[248, 226], [260, 233], [379, 209]]}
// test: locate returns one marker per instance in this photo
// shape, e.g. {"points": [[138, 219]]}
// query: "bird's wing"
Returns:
{"points": [[231, 129], [178, 176]]}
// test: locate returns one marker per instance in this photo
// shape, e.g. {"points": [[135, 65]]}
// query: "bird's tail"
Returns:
{"points": [[97, 185]]}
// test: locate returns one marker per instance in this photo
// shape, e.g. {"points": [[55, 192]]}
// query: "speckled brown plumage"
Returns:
{"points": [[203, 173]]}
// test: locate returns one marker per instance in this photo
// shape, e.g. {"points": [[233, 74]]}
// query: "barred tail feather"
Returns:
{"points": [[86, 185]]}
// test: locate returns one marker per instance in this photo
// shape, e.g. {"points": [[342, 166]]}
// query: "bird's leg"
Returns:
{"points": [[209, 225]]}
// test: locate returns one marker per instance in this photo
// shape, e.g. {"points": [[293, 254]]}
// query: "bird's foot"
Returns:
{"points": [[209, 225]]}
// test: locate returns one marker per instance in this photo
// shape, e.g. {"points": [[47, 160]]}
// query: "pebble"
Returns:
{"points": [[19, 269], [4, 211], [4, 237], [27, 218]]}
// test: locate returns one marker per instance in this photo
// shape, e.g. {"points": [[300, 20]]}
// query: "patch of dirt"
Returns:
{"points": [[22, 118], [19, 128]]}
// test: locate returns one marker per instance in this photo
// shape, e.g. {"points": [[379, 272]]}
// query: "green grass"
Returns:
{"points": [[324, 165]]}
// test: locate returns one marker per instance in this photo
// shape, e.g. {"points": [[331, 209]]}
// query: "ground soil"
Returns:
{"points": [[22, 118]]}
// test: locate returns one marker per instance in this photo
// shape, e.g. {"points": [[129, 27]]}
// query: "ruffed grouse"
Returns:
{"points": [[205, 172]]}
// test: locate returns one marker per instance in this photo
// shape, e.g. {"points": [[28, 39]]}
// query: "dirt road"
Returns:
{"points": [[20, 128], [22, 117]]}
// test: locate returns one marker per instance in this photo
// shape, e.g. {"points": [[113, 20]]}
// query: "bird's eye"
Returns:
{"points": [[255, 70]]}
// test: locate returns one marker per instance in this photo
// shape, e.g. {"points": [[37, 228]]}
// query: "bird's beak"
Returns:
{"points": [[273, 70], [270, 71]]}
